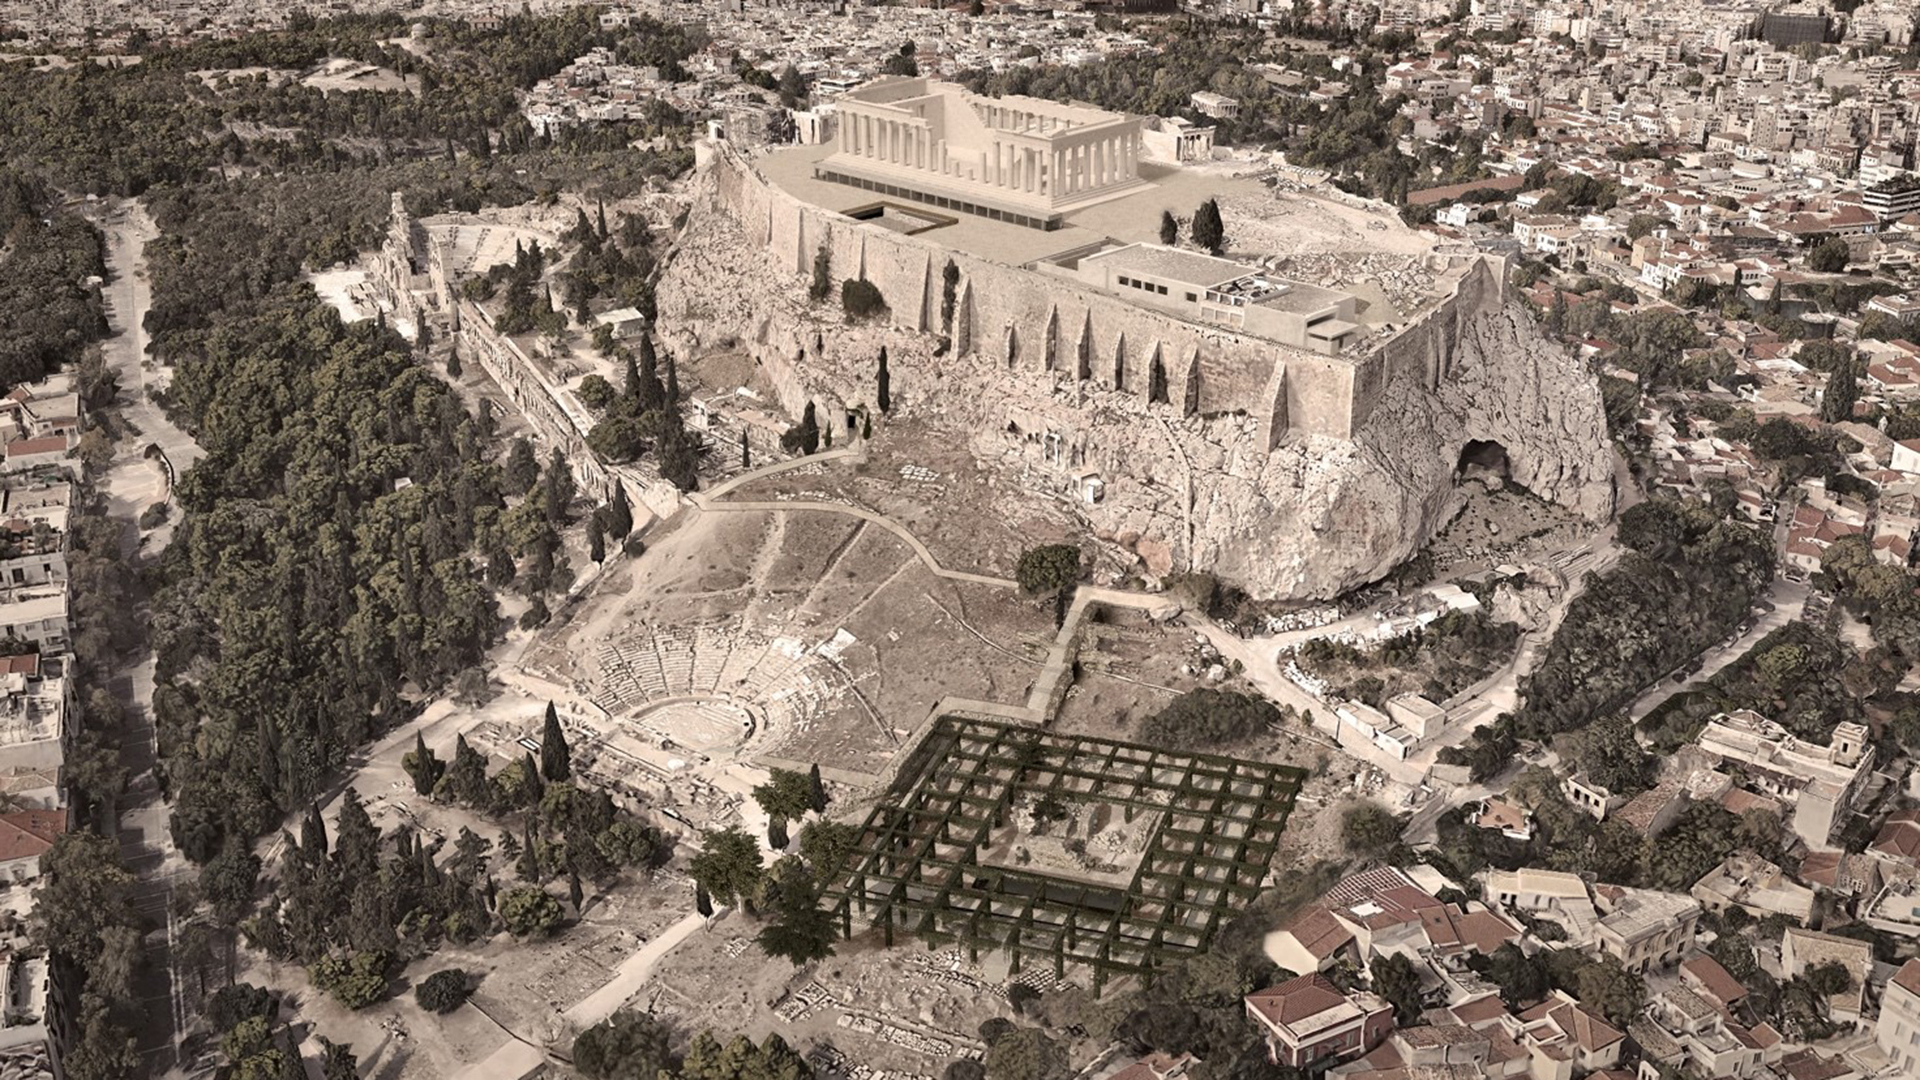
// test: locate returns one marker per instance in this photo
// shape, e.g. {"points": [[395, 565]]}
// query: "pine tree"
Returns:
{"points": [[356, 848], [884, 383], [1169, 228], [556, 759], [777, 832]]}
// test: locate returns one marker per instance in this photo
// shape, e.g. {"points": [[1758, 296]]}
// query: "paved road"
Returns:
{"points": [[131, 484]]}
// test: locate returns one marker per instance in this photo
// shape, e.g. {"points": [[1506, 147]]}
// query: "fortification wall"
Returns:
{"points": [[1290, 473], [1029, 320], [1023, 321]]}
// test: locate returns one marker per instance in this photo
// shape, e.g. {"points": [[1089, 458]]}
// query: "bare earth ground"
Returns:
{"points": [[720, 980], [966, 518], [1509, 525]]}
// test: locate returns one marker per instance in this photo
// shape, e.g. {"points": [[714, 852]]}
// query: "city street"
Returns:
{"points": [[133, 482]]}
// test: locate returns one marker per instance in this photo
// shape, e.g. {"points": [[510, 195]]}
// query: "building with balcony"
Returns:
{"points": [[1307, 1021]]}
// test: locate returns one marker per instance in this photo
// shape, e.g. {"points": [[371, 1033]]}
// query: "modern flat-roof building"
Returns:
{"points": [[1646, 930], [1221, 292], [1015, 159]]}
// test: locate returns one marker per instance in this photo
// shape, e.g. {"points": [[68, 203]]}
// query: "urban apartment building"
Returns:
{"points": [[1898, 1030], [1015, 159], [1644, 929], [1820, 781]]}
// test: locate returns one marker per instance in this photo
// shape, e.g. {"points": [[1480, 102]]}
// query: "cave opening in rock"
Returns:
{"points": [[1482, 458]]}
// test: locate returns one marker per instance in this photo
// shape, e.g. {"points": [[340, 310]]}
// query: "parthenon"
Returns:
{"points": [[1011, 159]]}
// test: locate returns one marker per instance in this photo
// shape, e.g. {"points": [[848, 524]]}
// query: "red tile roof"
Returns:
{"points": [[25, 447], [1899, 838], [1908, 977], [1318, 932], [1715, 981], [27, 834], [1296, 999]]}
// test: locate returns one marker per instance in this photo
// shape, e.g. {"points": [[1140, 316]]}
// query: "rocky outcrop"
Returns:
{"points": [[1310, 517]]}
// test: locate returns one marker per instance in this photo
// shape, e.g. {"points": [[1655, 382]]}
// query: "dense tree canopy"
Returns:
{"points": [[49, 306]]}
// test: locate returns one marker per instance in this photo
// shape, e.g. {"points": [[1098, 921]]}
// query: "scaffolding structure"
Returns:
{"points": [[917, 866]]}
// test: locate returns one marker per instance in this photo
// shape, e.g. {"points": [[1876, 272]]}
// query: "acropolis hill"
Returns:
{"points": [[1290, 416]]}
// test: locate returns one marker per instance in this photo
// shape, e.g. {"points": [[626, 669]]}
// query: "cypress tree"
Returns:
{"points": [[596, 542], [619, 514], [313, 835], [818, 789], [777, 832], [651, 395], [1169, 228], [426, 767], [746, 453], [535, 789], [574, 892], [884, 383], [529, 866], [702, 902], [1208, 230], [556, 760]]}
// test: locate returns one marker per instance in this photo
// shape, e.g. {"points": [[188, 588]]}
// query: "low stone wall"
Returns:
{"points": [[557, 418]]}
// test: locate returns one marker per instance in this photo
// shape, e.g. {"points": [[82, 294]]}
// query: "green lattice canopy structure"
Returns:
{"points": [[932, 862]]}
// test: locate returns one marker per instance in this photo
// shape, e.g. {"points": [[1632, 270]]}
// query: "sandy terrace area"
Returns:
{"points": [[929, 482]]}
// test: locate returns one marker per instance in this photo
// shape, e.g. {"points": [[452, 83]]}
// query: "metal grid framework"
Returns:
{"points": [[917, 868]]}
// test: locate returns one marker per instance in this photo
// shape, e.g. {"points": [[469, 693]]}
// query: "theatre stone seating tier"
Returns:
{"points": [[715, 678]]}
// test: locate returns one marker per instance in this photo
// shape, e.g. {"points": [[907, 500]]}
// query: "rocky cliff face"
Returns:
{"points": [[1311, 518]]}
